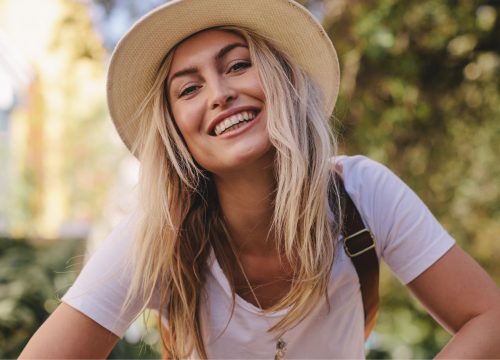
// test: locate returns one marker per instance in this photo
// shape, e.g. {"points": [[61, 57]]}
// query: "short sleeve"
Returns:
{"points": [[99, 291], [408, 237]]}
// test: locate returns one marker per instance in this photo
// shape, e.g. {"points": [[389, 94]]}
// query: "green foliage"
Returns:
{"points": [[420, 93], [32, 279], [139, 350]]}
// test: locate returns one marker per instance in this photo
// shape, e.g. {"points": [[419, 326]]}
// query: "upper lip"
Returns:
{"points": [[225, 114]]}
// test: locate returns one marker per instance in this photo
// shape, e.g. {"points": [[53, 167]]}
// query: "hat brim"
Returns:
{"points": [[137, 57]]}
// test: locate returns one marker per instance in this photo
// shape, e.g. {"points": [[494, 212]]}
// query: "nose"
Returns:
{"points": [[221, 93]]}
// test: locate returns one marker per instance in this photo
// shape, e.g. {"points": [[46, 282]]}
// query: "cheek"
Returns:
{"points": [[254, 85], [188, 120]]}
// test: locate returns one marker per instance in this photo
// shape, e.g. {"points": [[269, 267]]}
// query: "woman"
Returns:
{"points": [[226, 105]]}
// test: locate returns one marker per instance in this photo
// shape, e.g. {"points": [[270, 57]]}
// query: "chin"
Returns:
{"points": [[258, 155]]}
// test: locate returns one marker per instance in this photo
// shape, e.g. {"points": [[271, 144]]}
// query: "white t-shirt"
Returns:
{"points": [[408, 238]]}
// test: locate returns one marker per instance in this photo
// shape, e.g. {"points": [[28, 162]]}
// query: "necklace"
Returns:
{"points": [[281, 345]]}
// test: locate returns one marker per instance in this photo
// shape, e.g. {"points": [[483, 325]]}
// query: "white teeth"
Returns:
{"points": [[233, 120]]}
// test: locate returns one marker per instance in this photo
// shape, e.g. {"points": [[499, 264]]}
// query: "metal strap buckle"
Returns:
{"points": [[362, 251]]}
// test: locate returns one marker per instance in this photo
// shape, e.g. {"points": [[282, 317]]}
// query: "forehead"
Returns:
{"points": [[204, 44]]}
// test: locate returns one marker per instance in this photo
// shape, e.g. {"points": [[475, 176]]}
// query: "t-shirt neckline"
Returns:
{"points": [[221, 278]]}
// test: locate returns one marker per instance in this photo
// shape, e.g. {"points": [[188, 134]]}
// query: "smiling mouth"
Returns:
{"points": [[234, 122]]}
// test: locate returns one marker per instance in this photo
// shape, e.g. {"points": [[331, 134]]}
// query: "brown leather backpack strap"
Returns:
{"points": [[359, 245]]}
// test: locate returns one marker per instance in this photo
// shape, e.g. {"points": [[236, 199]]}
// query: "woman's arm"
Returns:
{"points": [[461, 296], [69, 334]]}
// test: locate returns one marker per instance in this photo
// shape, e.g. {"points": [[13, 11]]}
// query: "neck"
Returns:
{"points": [[246, 200]]}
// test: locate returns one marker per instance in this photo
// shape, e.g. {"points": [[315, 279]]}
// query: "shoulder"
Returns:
{"points": [[358, 165], [101, 288], [363, 176], [375, 190], [407, 235]]}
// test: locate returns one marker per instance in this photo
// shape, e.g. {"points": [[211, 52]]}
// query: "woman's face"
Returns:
{"points": [[217, 101]]}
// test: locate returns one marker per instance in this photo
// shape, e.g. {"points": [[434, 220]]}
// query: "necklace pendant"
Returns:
{"points": [[280, 350]]}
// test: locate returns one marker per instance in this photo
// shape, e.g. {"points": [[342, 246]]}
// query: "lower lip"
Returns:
{"points": [[241, 129]]}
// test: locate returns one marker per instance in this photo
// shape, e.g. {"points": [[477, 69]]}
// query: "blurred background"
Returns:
{"points": [[420, 93]]}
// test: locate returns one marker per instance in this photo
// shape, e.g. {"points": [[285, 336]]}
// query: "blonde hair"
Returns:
{"points": [[180, 216]]}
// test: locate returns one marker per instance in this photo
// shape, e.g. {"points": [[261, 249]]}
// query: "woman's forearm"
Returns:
{"points": [[69, 334], [479, 338]]}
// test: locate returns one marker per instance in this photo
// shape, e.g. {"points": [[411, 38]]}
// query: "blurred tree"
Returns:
{"points": [[89, 158], [420, 93], [62, 165]]}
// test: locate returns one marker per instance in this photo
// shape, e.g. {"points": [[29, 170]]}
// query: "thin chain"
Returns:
{"points": [[280, 344]]}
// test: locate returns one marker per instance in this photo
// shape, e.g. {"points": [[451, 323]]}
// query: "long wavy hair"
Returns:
{"points": [[181, 220]]}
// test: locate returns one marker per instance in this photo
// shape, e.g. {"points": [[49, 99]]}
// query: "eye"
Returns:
{"points": [[189, 90], [240, 65]]}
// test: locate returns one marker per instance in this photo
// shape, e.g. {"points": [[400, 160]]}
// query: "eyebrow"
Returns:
{"points": [[220, 55]]}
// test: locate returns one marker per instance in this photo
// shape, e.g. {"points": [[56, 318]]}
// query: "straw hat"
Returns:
{"points": [[285, 23]]}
